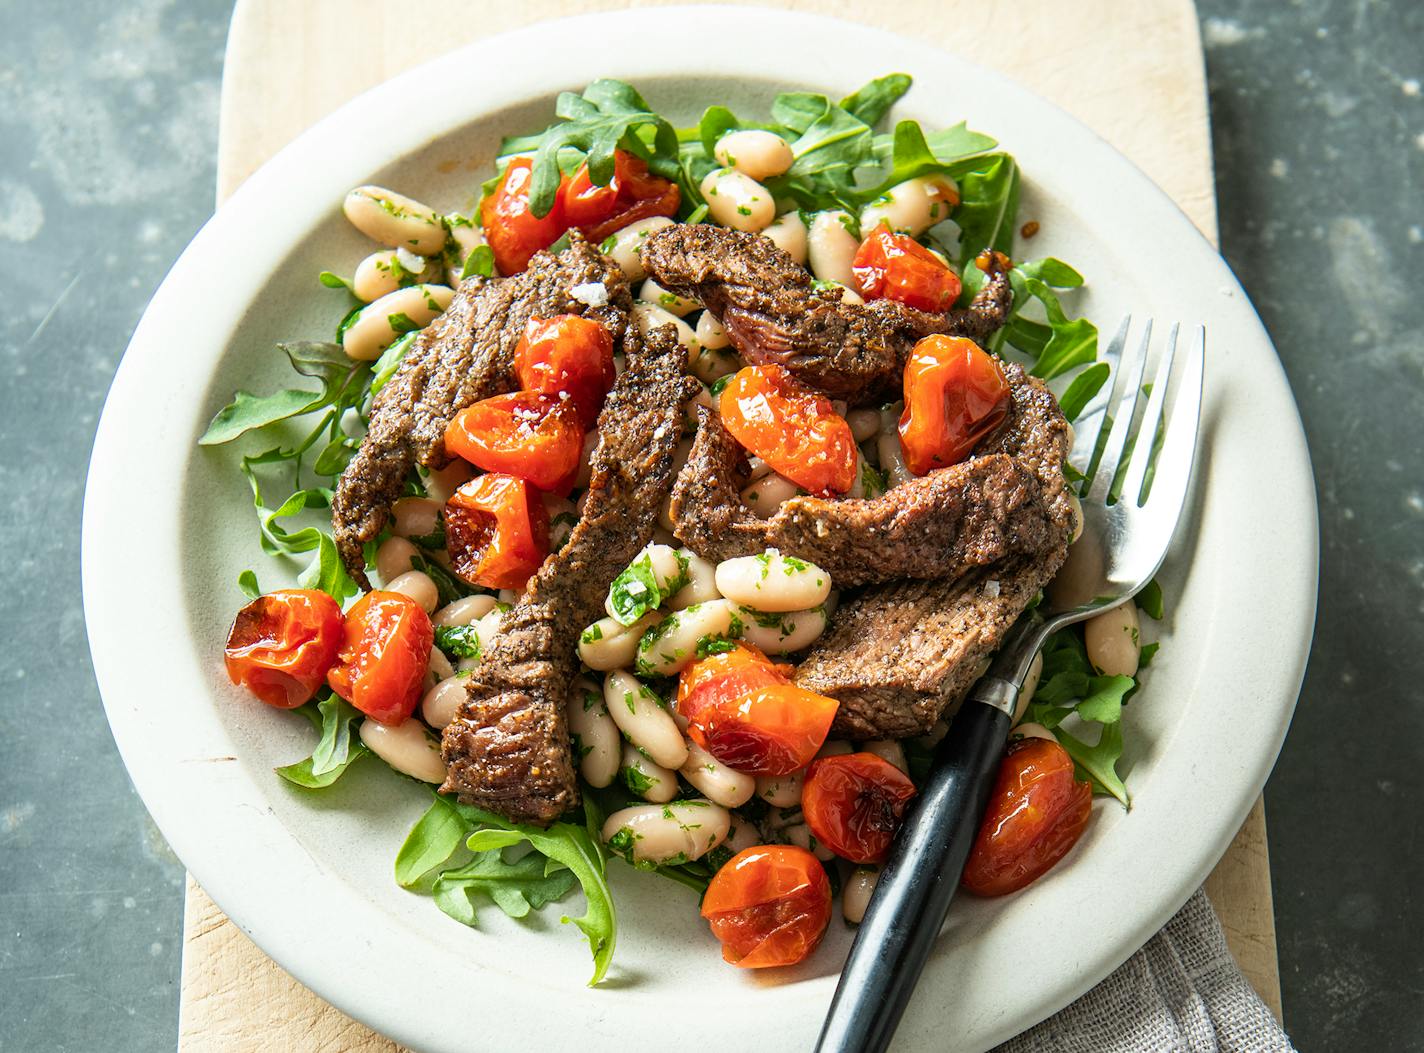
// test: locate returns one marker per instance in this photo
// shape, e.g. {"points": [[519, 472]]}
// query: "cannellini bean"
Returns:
{"points": [[607, 644], [405, 747], [1077, 506], [659, 573], [419, 587], [743, 835], [701, 586], [395, 220], [1113, 640], [384, 272], [736, 200], [415, 516], [679, 639], [597, 747], [912, 207], [801, 836], [757, 153], [585, 472], [887, 750], [767, 494], [788, 233], [835, 748], [625, 246], [562, 517], [892, 459], [730, 789], [382, 323], [830, 246], [678, 833], [757, 468], [393, 558], [440, 703], [710, 366], [644, 720], [782, 632], [847, 294], [465, 237], [855, 897], [864, 423], [465, 611], [1032, 731], [1030, 685], [653, 293], [441, 483], [689, 408], [650, 781], [439, 665], [710, 333], [778, 819], [649, 316], [773, 582], [781, 791]]}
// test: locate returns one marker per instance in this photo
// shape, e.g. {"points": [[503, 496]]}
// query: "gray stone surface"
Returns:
{"points": [[108, 118]]}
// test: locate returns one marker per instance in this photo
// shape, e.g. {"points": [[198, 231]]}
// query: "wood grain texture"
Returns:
{"points": [[1132, 71]]}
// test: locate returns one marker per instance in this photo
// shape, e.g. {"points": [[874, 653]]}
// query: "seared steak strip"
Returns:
{"points": [[508, 748], [936, 526], [465, 355]]}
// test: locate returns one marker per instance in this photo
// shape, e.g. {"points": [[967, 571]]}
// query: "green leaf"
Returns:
{"points": [[1103, 704], [636, 591], [458, 641], [909, 154], [340, 377], [327, 572], [389, 362], [448, 585], [716, 122], [1074, 342], [831, 147], [335, 281], [1081, 391], [1099, 761], [988, 207], [516, 887], [247, 582], [479, 263], [798, 110], [337, 750], [873, 101], [431, 841], [1150, 600], [1029, 337], [1051, 271]]}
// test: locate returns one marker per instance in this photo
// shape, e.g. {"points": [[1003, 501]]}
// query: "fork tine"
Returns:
{"points": [[1090, 421], [1172, 482], [1125, 408], [1151, 418]]}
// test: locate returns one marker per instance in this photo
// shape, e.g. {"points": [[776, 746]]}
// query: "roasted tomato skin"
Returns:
{"points": [[570, 357], [890, 266], [497, 531], [1037, 811], [632, 194], [793, 429], [281, 645], [955, 395], [854, 804], [533, 436], [384, 656], [769, 905], [513, 231]]}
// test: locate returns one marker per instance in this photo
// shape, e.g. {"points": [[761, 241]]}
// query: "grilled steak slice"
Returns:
{"points": [[937, 526], [465, 355], [508, 748], [898, 656], [772, 312]]}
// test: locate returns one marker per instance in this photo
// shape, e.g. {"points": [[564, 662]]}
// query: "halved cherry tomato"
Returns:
{"points": [[632, 194], [567, 356], [854, 803], [1037, 811], [281, 645], [497, 531], [745, 712], [383, 657], [535, 437], [512, 229], [955, 395], [791, 428], [890, 266], [768, 905]]}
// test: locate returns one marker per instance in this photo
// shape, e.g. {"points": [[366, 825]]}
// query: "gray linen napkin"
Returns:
{"points": [[1182, 993]]}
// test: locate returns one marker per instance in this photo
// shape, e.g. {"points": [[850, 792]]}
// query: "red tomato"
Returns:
{"points": [[854, 803], [281, 645], [955, 395], [567, 356], [791, 428], [1037, 811], [768, 905], [513, 231], [383, 658], [497, 531], [632, 194], [890, 266], [535, 437]]}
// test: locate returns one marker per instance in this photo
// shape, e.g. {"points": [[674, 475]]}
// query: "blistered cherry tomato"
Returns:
{"points": [[497, 531], [791, 428], [512, 229], [1037, 811], [955, 395], [890, 266], [768, 905], [567, 356], [854, 803], [383, 657], [281, 645], [535, 437], [632, 194]]}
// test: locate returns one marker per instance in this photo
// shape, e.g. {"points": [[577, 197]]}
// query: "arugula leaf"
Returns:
{"points": [[327, 572], [337, 750], [716, 122], [247, 582], [458, 641], [335, 281], [1150, 600], [339, 376], [636, 591], [988, 207], [431, 841], [448, 585], [798, 110], [1081, 391], [873, 101], [389, 362], [909, 154], [1074, 341], [516, 887], [479, 263], [831, 147], [1103, 704], [1099, 761]]}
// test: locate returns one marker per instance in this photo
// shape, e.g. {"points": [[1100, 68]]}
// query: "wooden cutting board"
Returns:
{"points": [[1131, 70]]}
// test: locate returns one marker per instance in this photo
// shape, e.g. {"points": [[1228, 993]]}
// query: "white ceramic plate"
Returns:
{"points": [[167, 527]]}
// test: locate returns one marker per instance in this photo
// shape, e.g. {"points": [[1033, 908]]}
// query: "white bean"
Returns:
{"points": [[759, 154], [1032, 731], [892, 459], [743, 835], [562, 518], [653, 293], [441, 483], [730, 789], [585, 472], [678, 833], [1030, 685], [649, 780], [689, 408], [597, 747], [649, 316], [625, 247], [418, 586], [710, 333], [655, 574], [835, 748], [465, 611], [465, 238], [442, 701], [1113, 640], [711, 365], [643, 719], [831, 246], [406, 747], [888, 750], [607, 644], [701, 586], [384, 272], [781, 791], [782, 632], [382, 323], [788, 233], [773, 582], [801, 836], [737, 200], [912, 207], [438, 667], [395, 220], [415, 516], [864, 423], [678, 640], [393, 558], [767, 494], [855, 897]]}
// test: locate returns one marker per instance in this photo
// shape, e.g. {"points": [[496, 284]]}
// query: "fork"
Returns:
{"points": [[1130, 510]]}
